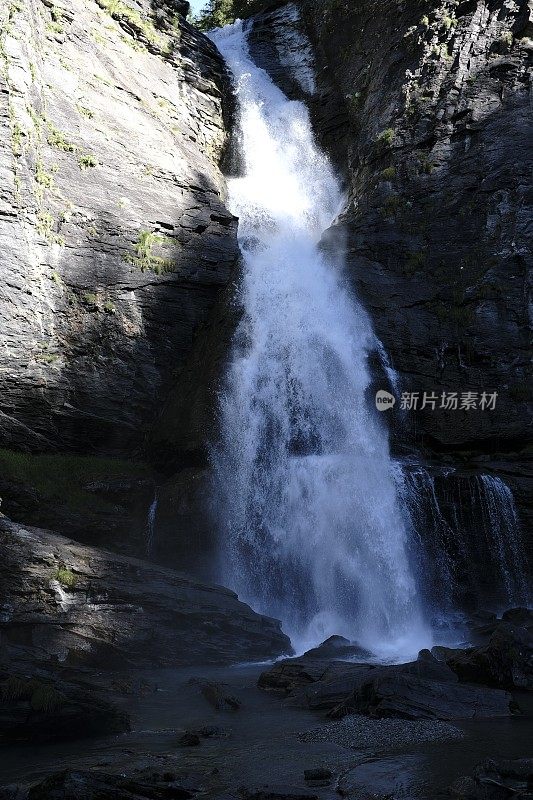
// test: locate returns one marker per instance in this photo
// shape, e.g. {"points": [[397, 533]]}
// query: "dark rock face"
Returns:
{"points": [[506, 660], [100, 501], [69, 604], [437, 156], [115, 238], [34, 710]]}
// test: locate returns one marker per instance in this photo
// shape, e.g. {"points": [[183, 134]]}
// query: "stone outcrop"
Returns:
{"points": [[422, 689], [68, 604], [115, 238], [506, 660], [496, 779], [35, 710]]}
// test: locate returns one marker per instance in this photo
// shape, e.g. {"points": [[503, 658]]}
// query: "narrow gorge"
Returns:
{"points": [[265, 399]]}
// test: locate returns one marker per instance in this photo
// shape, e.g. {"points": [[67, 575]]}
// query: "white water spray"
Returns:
{"points": [[312, 530]]}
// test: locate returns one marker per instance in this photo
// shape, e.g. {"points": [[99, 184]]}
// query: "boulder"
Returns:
{"points": [[408, 697], [425, 688], [337, 647], [506, 661], [291, 674], [496, 780], [216, 694]]}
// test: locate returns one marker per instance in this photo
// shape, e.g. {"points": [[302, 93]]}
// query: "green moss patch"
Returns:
{"points": [[66, 577], [144, 257], [62, 479], [42, 697]]}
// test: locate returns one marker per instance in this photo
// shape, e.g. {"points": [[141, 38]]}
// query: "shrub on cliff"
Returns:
{"points": [[218, 13]]}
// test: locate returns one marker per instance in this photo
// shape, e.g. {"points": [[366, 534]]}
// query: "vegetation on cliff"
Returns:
{"points": [[218, 13]]}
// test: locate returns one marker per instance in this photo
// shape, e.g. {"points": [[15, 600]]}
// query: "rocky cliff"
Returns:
{"points": [[116, 244], [115, 237]]}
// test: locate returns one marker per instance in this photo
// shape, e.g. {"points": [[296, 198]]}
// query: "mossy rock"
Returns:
{"points": [[63, 479]]}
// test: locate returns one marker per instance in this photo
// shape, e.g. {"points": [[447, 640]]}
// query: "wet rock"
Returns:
{"points": [[37, 710], [318, 777], [85, 785], [519, 616], [422, 689], [337, 647], [12, 792], [496, 780], [334, 692], [506, 661], [189, 739], [279, 793], [69, 604], [409, 697], [216, 695]]}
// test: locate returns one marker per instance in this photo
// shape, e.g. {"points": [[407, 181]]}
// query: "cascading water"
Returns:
{"points": [[502, 531], [150, 526], [312, 531], [472, 538]]}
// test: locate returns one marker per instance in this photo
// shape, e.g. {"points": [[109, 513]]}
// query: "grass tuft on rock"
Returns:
{"points": [[144, 257], [126, 15], [42, 697], [62, 479], [46, 700], [385, 139], [66, 577]]}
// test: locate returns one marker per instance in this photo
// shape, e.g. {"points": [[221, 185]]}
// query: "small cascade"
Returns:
{"points": [[436, 561], [503, 536], [150, 526], [388, 369], [471, 539]]}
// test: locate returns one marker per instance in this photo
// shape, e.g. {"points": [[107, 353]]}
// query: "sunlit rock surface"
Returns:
{"points": [[69, 604], [114, 234]]}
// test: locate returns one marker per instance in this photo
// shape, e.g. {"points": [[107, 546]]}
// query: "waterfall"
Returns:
{"points": [[311, 527]]}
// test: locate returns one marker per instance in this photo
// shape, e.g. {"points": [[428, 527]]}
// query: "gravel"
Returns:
{"points": [[384, 734]]}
